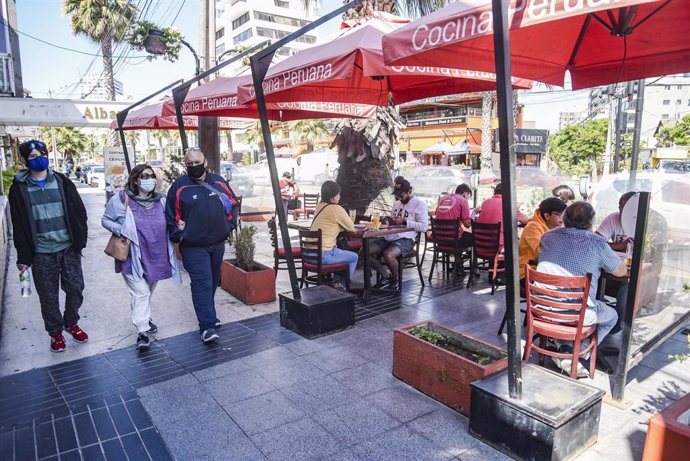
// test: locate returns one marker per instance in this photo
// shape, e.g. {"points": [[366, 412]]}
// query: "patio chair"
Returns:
{"points": [[486, 248], [444, 234], [310, 243], [556, 308], [407, 261], [278, 252], [239, 216], [309, 202]]}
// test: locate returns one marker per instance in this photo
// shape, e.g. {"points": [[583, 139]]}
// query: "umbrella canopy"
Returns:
{"points": [[219, 97], [438, 148], [600, 42], [150, 117], [351, 69]]}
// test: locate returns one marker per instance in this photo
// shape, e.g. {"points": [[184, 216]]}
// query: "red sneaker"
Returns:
{"points": [[57, 343], [77, 333]]}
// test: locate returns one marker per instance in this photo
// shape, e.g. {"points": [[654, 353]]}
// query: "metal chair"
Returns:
{"points": [[310, 243], [309, 202], [486, 247], [444, 234], [278, 252], [556, 308]]}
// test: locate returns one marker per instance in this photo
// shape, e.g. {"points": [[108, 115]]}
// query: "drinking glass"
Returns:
{"points": [[376, 220], [353, 214]]}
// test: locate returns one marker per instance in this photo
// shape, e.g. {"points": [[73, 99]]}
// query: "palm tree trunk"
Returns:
{"points": [[108, 77], [487, 109]]}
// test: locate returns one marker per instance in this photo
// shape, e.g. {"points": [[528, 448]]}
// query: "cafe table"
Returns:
{"points": [[366, 233]]}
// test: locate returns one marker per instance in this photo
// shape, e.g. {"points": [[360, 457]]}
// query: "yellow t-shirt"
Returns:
{"points": [[331, 221], [528, 246]]}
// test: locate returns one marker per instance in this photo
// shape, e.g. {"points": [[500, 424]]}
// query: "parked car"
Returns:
{"points": [[535, 176], [158, 164], [431, 181], [316, 167], [259, 172], [239, 179], [85, 172], [97, 177], [670, 192]]}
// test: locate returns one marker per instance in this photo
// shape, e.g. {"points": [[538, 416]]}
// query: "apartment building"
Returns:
{"points": [[10, 64]]}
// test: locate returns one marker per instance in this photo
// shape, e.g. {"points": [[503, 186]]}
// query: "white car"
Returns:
{"points": [[260, 172], [97, 177], [670, 198]]}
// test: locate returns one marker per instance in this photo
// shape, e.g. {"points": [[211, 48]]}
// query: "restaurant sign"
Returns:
{"points": [[527, 141], [435, 122]]}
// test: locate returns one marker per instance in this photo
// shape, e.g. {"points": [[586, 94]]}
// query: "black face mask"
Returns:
{"points": [[196, 171]]}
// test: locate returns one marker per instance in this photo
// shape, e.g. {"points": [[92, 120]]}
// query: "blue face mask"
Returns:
{"points": [[39, 163]]}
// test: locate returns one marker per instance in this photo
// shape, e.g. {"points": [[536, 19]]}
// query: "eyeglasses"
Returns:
{"points": [[192, 149], [147, 176]]}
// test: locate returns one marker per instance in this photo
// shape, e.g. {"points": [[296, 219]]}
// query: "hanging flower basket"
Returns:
{"points": [[158, 41]]}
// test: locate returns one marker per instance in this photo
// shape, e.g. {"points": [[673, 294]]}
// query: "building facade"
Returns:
{"points": [[92, 88], [568, 118], [244, 23], [11, 83]]}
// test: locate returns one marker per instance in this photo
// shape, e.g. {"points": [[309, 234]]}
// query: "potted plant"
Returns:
{"points": [[442, 362], [244, 278], [158, 41], [668, 436]]}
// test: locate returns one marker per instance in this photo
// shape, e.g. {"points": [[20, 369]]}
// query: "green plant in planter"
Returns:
{"points": [[245, 247], [172, 38], [427, 335]]}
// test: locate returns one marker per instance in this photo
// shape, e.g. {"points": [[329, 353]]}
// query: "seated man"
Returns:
{"points": [[492, 210], [454, 206], [548, 216], [574, 250], [612, 230], [407, 211]]}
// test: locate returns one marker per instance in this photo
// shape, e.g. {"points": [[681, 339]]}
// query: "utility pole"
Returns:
{"points": [[209, 141], [609, 135], [53, 138]]}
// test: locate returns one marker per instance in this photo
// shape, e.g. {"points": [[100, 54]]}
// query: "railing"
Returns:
{"points": [[6, 74]]}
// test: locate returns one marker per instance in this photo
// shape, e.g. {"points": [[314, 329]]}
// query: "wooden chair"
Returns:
{"points": [[486, 247], [309, 202], [556, 308], [310, 243], [523, 299], [407, 261], [444, 234], [278, 252]]}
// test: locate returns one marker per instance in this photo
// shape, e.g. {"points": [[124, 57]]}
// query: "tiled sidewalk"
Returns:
{"points": [[265, 393]]}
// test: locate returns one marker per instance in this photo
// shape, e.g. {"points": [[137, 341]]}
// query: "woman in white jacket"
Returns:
{"points": [[138, 213]]}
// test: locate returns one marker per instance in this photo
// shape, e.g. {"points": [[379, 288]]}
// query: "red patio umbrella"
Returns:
{"points": [[218, 97], [351, 69], [150, 117], [598, 42]]}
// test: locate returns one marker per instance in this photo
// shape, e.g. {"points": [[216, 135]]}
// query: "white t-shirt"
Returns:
{"points": [[612, 229], [415, 212]]}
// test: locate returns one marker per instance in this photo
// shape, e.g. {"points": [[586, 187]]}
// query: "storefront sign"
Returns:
{"points": [[527, 141], [115, 171], [58, 112], [436, 122]]}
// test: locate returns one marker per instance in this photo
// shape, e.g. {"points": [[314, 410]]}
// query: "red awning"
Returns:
{"points": [[351, 69], [219, 97], [634, 40]]}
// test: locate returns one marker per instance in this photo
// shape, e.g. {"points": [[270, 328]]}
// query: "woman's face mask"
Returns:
{"points": [[147, 185]]}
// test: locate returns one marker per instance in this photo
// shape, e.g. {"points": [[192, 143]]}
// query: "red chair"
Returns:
{"points": [[309, 202], [310, 243], [556, 308], [486, 247], [278, 252], [444, 234]]}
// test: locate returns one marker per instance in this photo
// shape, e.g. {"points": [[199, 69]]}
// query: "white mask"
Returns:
{"points": [[147, 185]]}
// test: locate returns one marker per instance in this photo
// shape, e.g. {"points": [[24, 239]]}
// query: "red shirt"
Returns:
{"points": [[453, 206], [492, 212]]}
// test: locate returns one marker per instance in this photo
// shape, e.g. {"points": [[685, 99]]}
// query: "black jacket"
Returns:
{"points": [[205, 219], [24, 227]]}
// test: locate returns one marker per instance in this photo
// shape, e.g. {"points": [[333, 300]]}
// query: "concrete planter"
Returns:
{"points": [[668, 436], [257, 286], [438, 372]]}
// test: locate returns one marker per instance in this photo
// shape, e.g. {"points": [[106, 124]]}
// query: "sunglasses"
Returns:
{"points": [[34, 144], [192, 149], [147, 176]]}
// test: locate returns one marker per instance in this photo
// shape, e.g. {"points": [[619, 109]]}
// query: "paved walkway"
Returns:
{"points": [[263, 392]]}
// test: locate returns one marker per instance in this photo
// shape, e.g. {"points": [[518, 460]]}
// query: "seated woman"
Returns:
{"points": [[331, 219]]}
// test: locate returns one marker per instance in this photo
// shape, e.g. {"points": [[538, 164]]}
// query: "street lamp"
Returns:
{"points": [[155, 44]]}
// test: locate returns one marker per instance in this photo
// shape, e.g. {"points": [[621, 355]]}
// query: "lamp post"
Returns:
{"points": [[154, 44]]}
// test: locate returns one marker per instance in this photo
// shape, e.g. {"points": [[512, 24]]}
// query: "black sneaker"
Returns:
{"points": [[153, 328], [217, 324], [384, 282], [391, 284], [209, 335], [142, 342]]}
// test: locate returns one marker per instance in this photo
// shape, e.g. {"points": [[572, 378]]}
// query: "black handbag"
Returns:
{"points": [[294, 204]]}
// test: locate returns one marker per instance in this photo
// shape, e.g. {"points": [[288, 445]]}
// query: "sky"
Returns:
{"points": [[50, 71]]}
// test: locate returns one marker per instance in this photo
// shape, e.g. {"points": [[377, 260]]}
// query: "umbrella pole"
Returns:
{"points": [[507, 155]]}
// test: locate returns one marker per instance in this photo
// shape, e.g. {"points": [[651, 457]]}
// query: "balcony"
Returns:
{"points": [[6, 75]]}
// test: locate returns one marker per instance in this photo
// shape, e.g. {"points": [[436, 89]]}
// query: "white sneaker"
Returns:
{"points": [[582, 372]]}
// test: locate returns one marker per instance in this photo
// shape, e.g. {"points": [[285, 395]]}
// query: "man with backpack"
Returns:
{"points": [[201, 212]]}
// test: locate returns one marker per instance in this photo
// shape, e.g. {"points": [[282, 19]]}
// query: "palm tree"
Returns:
{"points": [[159, 135], [132, 137], [104, 22], [310, 131], [254, 136], [487, 109], [71, 142]]}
